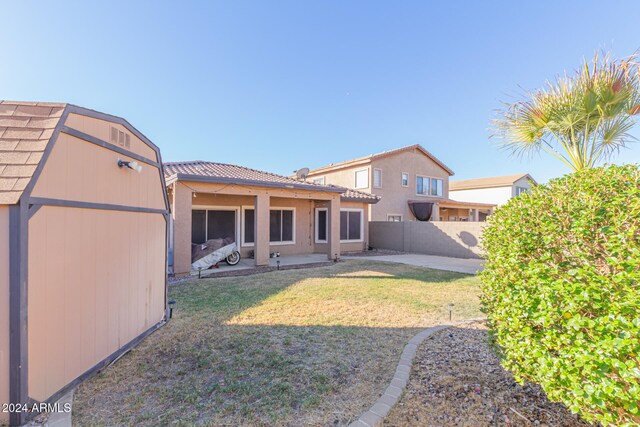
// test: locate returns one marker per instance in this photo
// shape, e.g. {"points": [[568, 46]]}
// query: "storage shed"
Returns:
{"points": [[83, 246]]}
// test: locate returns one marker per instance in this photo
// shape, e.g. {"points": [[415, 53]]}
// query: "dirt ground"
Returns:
{"points": [[457, 380]]}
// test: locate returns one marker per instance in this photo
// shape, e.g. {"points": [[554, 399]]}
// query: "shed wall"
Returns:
{"points": [[4, 310], [102, 129], [79, 170], [96, 282]]}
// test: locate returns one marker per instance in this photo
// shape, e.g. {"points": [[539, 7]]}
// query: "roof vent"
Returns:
{"points": [[120, 138]]}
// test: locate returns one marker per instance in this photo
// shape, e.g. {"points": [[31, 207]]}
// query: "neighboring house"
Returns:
{"points": [[262, 212], [412, 183], [496, 190], [83, 247]]}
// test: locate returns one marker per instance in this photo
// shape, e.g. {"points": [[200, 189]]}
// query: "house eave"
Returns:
{"points": [[221, 180]]}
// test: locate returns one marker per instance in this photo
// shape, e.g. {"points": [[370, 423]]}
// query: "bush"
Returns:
{"points": [[561, 289]]}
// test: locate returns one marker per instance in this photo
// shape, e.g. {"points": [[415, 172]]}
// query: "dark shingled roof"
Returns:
{"points": [[226, 173], [25, 131]]}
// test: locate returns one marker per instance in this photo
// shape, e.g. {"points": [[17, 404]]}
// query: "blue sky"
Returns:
{"points": [[278, 85]]}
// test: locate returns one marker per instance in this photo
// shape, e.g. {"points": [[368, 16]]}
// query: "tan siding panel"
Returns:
{"points": [[79, 170], [102, 129], [96, 282], [4, 309]]}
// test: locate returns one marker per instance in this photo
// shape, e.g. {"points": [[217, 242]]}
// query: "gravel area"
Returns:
{"points": [[457, 380]]}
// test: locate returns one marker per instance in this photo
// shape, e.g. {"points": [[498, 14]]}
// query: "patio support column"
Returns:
{"points": [[435, 213], [476, 215], [334, 228], [261, 230], [181, 212]]}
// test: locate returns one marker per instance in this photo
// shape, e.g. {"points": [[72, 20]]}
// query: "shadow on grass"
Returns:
{"points": [[281, 348]]}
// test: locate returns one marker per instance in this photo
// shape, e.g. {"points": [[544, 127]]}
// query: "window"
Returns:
{"points": [[249, 230], [351, 225], [362, 178], [281, 226], [322, 221], [405, 179], [394, 218], [422, 185], [319, 181], [198, 226], [520, 190], [429, 186], [207, 224], [436, 187], [377, 178]]}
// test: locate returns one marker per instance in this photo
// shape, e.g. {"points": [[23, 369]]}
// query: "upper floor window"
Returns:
{"points": [[319, 180], [377, 178], [362, 178], [429, 186], [405, 179], [520, 190]]}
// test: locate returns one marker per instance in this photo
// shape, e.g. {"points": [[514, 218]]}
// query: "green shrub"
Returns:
{"points": [[561, 289]]}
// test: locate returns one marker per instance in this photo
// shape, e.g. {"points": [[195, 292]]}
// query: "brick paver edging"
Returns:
{"points": [[376, 414]]}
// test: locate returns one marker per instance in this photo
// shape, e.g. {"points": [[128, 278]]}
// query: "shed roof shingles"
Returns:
{"points": [[25, 130]]}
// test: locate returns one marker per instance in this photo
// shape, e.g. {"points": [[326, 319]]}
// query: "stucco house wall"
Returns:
{"points": [[495, 195], [394, 196], [493, 190]]}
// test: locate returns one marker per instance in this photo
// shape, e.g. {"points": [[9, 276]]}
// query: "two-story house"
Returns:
{"points": [[497, 190], [412, 183]]}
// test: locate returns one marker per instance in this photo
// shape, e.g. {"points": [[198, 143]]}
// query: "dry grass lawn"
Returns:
{"points": [[297, 347]]}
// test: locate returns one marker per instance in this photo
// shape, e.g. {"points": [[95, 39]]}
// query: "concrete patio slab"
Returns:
{"points": [[459, 265], [248, 264]]}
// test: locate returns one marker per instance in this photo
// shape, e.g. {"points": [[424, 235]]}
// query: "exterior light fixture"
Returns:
{"points": [[278, 264], [172, 305], [131, 165], [450, 308]]}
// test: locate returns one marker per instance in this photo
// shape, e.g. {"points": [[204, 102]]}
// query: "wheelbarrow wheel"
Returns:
{"points": [[233, 259]]}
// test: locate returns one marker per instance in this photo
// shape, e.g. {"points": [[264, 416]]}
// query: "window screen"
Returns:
{"points": [[350, 225], [275, 226], [354, 225], [281, 226], [344, 225], [321, 225], [422, 185], [405, 180], [198, 227], [436, 187], [221, 225], [249, 236], [377, 178], [287, 226]]}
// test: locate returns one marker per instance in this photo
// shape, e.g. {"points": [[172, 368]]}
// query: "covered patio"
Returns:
{"points": [[262, 213], [440, 209]]}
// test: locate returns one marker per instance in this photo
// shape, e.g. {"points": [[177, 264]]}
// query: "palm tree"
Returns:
{"points": [[580, 119]]}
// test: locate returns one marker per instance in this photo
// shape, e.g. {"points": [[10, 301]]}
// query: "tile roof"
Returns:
{"points": [[226, 173], [370, 157], [494, 181], [25, 130]]}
